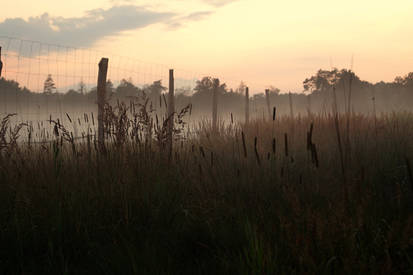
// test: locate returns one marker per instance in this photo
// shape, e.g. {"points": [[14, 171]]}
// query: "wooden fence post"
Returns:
{"points": [[309, 105], [1, 63], [101, 93], [267, 97], [171, 112], [290, 97], [215, 105], [247, 105]]}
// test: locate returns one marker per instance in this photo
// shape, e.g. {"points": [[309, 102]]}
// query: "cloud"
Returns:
{"points": [[219, 3], [195, 16], [83, 31]]}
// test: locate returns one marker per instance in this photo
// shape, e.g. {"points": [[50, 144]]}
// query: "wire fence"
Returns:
{"points": [[30, 63]]}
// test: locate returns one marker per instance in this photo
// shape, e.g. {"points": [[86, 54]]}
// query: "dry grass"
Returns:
{"points": [[67, 207]]}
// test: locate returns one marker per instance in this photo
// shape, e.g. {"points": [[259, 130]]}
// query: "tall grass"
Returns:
{"points": [[216, 208]]}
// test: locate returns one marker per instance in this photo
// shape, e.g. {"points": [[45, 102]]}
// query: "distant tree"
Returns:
{"points": [[109, 87], [72, 95], [155, 89], [241, 88], [49, 86], [183, 91], [127, 89], [406, 81], [82, 87], [325, 80], [207, 84], [259, 96], [274, 91]]}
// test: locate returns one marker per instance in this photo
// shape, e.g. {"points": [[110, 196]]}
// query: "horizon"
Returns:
{"points": [[269, 44]]}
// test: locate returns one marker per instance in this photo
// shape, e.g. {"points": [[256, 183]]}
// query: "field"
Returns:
{"points": [[315, 194]]}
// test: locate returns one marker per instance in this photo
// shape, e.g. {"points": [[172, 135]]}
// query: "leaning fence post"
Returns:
{"points": [[171, 111], [215, 105], [1, 63], [267, 97], [101, 94], [247, 105]]}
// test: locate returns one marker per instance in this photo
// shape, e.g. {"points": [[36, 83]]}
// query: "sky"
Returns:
{"points": [[260, 42]]}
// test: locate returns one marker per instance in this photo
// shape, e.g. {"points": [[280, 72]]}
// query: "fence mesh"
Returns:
{"points": [[72, 72]]}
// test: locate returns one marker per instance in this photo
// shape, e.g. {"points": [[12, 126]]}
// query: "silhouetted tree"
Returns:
{"points": [[241, 88], [324, 80], [49, 86], [82, 87], [155, 89], [127, 89], [406, 81], [274, 91], [207, 84]]}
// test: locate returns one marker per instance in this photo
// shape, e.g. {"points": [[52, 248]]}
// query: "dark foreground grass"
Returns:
{"points": [[216, 208]]}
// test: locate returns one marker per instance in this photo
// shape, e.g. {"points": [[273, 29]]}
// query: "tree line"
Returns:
{"points": [[343, 87]]}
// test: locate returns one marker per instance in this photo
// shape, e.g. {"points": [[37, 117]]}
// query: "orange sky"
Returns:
{"points": [[263, 42]]}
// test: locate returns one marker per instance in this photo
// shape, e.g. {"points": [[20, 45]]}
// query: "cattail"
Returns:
{"points": [[93, 119], [95, 143], [201, 149], [243, 144], [286, 144], [274, 111], [232, 119], [164, 100], [56, 130], [273, 146], [68, 117], [256, 151], [314, 155], [157, 121], [88, 145]]}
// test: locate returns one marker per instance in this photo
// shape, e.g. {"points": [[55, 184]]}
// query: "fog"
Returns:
{"points": [[77, 108]]}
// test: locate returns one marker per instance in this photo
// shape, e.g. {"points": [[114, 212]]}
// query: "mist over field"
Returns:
{"points": [[321, 92]]}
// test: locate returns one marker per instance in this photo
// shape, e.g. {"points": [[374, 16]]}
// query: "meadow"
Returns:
{"points": [[324, 193]]}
